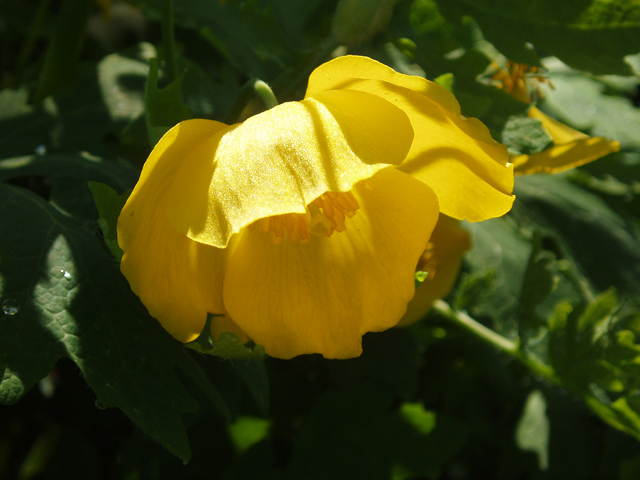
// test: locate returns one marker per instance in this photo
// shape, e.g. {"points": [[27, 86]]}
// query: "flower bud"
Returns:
{"points": [[358, 20]]}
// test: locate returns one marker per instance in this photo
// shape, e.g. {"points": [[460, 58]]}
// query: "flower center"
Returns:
{"points": [[326, 214], [520, 80]]}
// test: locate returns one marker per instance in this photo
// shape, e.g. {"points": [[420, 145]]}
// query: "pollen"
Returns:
{"points": [[520, 80], [325, 215]]}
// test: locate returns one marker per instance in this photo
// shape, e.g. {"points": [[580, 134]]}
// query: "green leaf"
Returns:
{"points": [[72, 301], [228, 345], [390, 359], [164, 107], [245, 33], [254, 376], [109, 205], [540, 279], [104, 99], [524, 135], [500, 248], [571, 215], [65, 178], [584, 103], [474, 287], [445, 80], [591, 35], [247, 431], [62, 55], [532, 431], [347, 436]]}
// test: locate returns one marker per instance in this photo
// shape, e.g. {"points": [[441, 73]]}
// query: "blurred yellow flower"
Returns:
{"points": [[571, 148], [519, 80], [441, 261], [449, 241], [301, 227]]}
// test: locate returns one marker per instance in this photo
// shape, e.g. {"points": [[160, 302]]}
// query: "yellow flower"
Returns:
{"points": [[519, 80], [301, 227], [450, 241], [442, 261], [571, 148]]}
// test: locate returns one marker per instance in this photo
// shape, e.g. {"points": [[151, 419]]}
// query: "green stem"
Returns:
{"points": [[169, 43], [265, 93], [503, 344]]}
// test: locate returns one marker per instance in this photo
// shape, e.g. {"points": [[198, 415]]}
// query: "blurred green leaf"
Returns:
{"points": [[353, 435], [109, 205], [164, 107], [540, 279], [524, 135], [247, 431], [591, 35], [70, 300], [104, 99], [583, 224], [532, 432], [584, 103], [473, 288], [245, 33], [391, 360], [65, 178], [254, 376], [62, 55], [500, 248]]}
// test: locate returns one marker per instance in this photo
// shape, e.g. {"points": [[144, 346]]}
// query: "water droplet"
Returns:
{"points": [[100, 405], [591, 109], [41, 150], [10, 307], [66, 274]]}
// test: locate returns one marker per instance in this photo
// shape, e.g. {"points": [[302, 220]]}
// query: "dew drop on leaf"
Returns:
{"points": [[41, 150], [10, 307]]}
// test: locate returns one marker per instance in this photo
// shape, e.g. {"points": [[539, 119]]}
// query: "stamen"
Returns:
{"points": [[429, 261], [520, 80], [325, 215]]}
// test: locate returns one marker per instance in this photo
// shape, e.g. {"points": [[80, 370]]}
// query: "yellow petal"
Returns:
{"points": [[442, 259], [456, 157], [572, 148], [177, 279], [281, 160], [322, 296], [560, 132], [345, 72]]}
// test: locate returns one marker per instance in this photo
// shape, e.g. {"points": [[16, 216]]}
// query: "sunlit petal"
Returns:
{"points": [[279, 161], [178, 280], [322, 296], [572, 148]]}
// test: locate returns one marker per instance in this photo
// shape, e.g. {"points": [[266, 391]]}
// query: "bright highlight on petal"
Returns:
{"points": [[280, 161], [572, 148], [322, 296], [456, 157], [301, 227]]}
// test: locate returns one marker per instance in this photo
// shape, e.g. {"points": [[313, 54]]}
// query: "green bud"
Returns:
{"points": [[358, 20]]}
